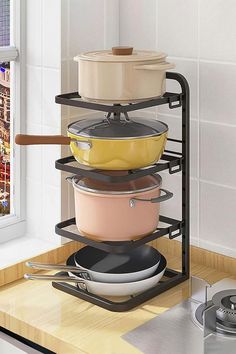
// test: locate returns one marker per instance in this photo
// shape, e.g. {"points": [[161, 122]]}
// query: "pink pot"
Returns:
{"points": [[120, 211]]}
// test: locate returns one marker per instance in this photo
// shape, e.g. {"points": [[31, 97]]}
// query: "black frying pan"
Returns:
{"points": [[101, 266]]}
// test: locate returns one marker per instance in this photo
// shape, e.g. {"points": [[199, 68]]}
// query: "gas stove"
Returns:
{"points": [[203, 324]]}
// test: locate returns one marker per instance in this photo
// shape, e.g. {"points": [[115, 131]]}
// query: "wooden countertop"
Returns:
{"points": [[67, 325]]}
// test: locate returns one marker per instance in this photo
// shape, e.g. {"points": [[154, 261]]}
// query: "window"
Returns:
{"points": [[11, 78], [5, 151], [5, 195]]}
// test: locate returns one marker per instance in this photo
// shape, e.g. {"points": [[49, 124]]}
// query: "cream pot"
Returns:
{"points": [[122, 75], [118, 212]]}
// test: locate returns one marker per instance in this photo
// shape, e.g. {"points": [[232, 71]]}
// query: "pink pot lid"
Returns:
{"points": [[138, 185]]}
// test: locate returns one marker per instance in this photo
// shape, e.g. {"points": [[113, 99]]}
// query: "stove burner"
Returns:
{"points": [[226, 301], [225, 305], [229, 302]]}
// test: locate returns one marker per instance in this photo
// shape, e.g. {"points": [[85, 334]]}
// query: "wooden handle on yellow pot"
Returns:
{"points": [[23, 139], [122, 50]]}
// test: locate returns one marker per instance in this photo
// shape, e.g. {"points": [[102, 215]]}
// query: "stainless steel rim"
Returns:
{"points": [[75, 181], [119, 138]]}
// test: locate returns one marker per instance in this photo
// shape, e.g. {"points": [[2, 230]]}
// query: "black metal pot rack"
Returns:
{"points": [[172, 161]]}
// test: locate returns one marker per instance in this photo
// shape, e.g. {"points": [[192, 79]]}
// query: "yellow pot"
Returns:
{"points": [[120, 153], [110, 144]]}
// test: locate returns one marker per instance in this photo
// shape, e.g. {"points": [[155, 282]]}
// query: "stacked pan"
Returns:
{"points": [[106, 274], [115, 144]]}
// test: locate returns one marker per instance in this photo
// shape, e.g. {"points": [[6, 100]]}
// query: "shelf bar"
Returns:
{"points": [[74, 99], [169, 162], [124, 246], [175, 278]]}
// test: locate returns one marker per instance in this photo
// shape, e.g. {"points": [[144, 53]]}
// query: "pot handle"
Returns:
{"points": [[82, 144], [70, 179], [159, 66], [24, 139], [167, 195], [60, 278], [60, 267]]}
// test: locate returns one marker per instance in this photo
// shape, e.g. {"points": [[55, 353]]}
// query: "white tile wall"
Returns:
{"points": [[217, 218], [34, 94], [51, 41], [34, 32], [217, 86], [199, 36], [51, 112], [178, 27], [135, 30], [217, 30], [111, 23], [43, 116], [218, 153], [86, 26]]}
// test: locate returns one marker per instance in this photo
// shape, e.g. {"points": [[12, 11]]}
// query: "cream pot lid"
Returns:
{"points": [[121, 54]]}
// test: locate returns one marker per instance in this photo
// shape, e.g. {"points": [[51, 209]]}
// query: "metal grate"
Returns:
{"points": [[4, 22]]}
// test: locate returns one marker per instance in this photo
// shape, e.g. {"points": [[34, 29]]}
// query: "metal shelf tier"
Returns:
{"points": [[169, 162], [172, 278], [73, 99], [173, 230], [172, 161]]}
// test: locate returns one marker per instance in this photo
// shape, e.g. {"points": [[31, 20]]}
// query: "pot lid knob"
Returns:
{"points": [[122, 50]]}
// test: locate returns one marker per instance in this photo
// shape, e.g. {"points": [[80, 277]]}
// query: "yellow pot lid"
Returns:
{"points": [[120, 129], [108, 56]]}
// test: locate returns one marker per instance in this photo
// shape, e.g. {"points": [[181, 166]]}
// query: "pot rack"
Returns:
{"points": [[172, 161]]}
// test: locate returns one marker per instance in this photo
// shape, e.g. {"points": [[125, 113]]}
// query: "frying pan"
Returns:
{"points": [[109, 144], [106, 289], [100, 266]]}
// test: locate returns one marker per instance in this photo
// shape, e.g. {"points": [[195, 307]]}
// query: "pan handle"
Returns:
{"points": [[60, 267], [24, 139], [61, 278], [167, 195]]}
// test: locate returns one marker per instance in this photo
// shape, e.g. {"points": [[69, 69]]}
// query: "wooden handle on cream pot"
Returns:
{"points": [[23, 139], [122, 50]]}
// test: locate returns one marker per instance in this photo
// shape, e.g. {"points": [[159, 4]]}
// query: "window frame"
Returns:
{"points": [[14, 225]]}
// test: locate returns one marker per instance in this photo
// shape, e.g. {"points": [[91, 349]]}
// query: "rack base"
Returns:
{"points": [[173, 278]]}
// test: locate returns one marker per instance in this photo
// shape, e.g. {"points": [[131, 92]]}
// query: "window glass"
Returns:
{"points": [[5, 22], [4, 139]]}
